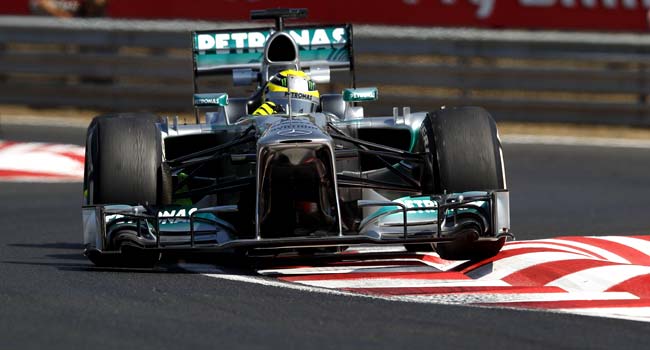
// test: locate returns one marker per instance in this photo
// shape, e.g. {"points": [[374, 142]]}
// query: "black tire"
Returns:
{"points": [[463, 153], [124, 165], [124, 161]]}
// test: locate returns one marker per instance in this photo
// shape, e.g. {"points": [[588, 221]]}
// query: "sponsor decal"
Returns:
{"points": [[206, 101], [300, 95], [167, 216], [306, 38], [252, 40], [361, 94], [176, 213], [418, 203], [227, 50], [175, 216], [210, 100]]}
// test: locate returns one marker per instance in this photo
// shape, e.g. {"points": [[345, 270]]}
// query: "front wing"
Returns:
{"points": [[202, 230]]}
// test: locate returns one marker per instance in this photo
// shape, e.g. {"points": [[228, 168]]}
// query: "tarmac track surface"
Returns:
{"points": [[51, 296]]}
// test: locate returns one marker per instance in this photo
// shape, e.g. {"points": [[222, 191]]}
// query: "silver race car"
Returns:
{"points": [[289, 170]]}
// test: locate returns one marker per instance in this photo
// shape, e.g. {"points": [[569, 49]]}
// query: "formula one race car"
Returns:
{"points": [[289, 170]]}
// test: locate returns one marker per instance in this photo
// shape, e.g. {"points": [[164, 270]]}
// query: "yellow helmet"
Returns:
{"points": [[304, 96]]}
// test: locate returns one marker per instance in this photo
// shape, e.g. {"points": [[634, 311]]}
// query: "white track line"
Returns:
{"points": [[599, 278], [213, 272], [501, 298], [504, 267], [346, 269], [534, 244], [607, 255], [21, 148], [38, 179], [401, 283], [65, 148], [641, 245], [41, 162]]}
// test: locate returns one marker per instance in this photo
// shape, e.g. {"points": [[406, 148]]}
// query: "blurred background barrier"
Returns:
{"points": [[538, 76], [596, 15]]}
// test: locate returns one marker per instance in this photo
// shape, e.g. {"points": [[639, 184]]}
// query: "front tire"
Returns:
{"points": [[463, 153], [124, 161], [124, 165]]}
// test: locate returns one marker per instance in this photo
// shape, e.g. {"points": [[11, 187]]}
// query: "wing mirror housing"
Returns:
{"points": [[360, 94], [211, 100], [214, 106]]}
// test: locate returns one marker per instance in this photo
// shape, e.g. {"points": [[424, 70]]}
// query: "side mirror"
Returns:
{"points": [[210, 100], [361, 94], [358, 95]]}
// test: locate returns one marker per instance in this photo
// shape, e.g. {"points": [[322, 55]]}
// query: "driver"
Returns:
{"points": [[304, 96]]}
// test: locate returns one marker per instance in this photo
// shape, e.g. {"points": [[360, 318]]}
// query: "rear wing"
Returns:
{"points": [[224, 51]]}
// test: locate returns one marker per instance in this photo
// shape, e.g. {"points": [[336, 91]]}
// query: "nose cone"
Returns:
{"points": [[296, 166]]}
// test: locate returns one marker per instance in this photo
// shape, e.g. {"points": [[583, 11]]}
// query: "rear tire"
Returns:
{"points": [[124, 165], [463, 153]]}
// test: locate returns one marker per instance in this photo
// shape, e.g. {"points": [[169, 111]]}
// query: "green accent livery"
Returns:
{"points": [[428, 212]]}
